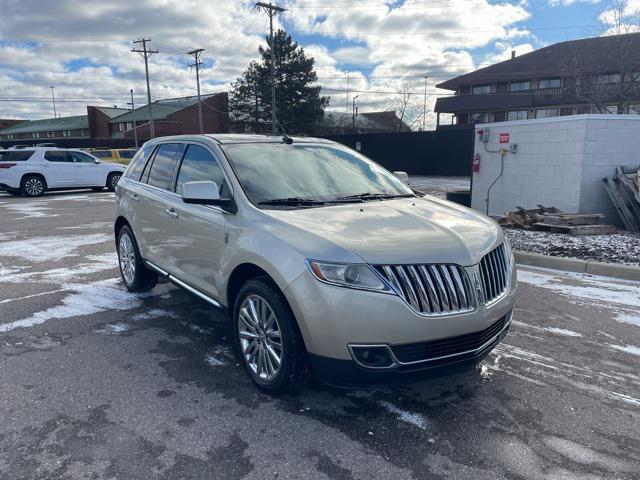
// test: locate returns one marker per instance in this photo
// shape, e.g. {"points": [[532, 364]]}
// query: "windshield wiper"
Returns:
{"points": [[292, 201], [374, 196]]}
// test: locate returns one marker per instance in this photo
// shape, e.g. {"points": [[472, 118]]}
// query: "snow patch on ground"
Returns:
{"points": [[214, 361], [633, 350], [632, 318], [86, 299], [114, 328], [40, 249], [153, 313], [29, 210], [562, 331], [592, 289], [414, 419], [92, 225]]}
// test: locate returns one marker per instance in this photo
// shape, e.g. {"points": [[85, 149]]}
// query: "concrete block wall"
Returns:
{"points": [[560, 162]]}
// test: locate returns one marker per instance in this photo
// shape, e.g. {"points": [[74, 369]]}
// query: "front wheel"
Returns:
{"points": [[267, 338], [112, 181], [33, 186], [135, 275]]}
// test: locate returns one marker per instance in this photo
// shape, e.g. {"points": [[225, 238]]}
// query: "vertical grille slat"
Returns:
{"points": [[494, 273], [431, 289]]}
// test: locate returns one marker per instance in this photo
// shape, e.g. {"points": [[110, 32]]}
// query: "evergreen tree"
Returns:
{"points": [[299, 106]]}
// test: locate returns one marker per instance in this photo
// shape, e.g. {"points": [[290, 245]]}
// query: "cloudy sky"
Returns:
{"points": [[373, 48]]}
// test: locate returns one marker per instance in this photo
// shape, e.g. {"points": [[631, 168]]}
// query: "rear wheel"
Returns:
{"points": [[267, 338], [112, 181], [135, 275], [33, 185]]}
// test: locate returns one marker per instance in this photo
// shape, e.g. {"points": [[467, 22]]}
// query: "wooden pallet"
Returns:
{"points": [[572, 218], [622, 193], [576, 230]]}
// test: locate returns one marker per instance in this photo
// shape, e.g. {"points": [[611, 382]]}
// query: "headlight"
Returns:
{"points": [[350, 275]]}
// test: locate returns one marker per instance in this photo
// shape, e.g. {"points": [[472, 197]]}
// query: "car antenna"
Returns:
{"points": [[285, 136]]}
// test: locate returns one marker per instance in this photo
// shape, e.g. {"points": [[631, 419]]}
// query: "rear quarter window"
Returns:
{"points": [[17, 156], [101, 153], [134, 170]]}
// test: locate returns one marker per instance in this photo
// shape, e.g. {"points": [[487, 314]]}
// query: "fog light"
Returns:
{"points": [[372, 356]]}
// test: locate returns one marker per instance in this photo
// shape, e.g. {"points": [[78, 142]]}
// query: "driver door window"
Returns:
{"points": [[200, 165]]}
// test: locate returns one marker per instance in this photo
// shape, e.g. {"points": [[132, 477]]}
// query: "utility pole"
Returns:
{"points": [[424, 107], [346, 107], [197, 63], [146, 53], [272, 11], [133, 117], [53, 97], [353, 112]]}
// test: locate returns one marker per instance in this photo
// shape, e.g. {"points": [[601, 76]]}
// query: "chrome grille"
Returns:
{"points": [[494, 273], [431, 289]]}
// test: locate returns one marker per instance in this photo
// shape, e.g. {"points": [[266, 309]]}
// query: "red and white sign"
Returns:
{"points": [[504, 138]]}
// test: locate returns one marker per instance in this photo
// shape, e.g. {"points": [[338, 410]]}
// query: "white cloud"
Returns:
{"points": [[385, 44], [568, 3]]}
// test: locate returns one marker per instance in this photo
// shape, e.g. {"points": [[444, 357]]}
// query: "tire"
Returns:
{"points": [[97, 189], [112, 181], [135, 275], [33, 186], [294, 371]]}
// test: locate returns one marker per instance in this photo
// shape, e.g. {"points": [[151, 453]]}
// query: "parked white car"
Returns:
{"points": [[325, 261], [33, 171]]}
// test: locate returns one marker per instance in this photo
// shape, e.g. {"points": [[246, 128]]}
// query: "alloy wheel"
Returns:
{"points": [[34, 186], [114, 181], [127, 259], [260, 338]]}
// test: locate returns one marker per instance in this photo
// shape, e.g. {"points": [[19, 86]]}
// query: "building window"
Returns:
{"points": [[549, 83], [83, 132], [121, 127], [634, 109], [66, 133], [35, 135], [520, 86], [517, 115], [50, 134], [129, 126], [480, 117], [610, 109], [546, 112], [10, 136], [481, 89], [608, 78]]}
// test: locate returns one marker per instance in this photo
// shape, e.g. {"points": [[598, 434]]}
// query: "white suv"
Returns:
{"points": [[32, 171], [325, 260]]}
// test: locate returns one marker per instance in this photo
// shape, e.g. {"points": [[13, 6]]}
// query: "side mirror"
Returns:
{"points": [[96, 161], [205, 193]]}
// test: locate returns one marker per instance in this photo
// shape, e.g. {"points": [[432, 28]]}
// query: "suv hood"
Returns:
{"points": [[400, 231]]}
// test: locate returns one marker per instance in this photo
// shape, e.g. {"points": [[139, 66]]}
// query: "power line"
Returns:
{"points": [[146, 53]]}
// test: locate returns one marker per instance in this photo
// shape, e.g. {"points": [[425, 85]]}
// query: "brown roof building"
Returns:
{"points": [[591, 75]]}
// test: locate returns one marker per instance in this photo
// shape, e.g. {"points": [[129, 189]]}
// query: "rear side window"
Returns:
{"points": [[164, 165], [57, 156], [18, 156], [101, 153], [80, 157], [139, 161], [199, 165], [127, 153]]}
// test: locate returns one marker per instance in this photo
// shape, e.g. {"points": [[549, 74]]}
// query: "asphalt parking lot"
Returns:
{"points": [[99, 383]]}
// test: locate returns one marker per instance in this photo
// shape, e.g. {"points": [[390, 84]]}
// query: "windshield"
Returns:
{"points": [[324, 173]]}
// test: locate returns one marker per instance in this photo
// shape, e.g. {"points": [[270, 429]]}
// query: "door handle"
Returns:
{"points": [[171, 212]]}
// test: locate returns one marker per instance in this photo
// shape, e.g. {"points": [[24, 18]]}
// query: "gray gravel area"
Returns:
{"points": [[623, 247], [97, 383]]}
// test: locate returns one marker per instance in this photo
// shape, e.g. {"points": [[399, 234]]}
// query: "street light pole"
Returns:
{"points": [[133, 117], [53, 97], [353, 112], [424, 107]]}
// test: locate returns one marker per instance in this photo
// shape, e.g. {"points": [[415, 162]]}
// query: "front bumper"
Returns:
{"points": [[336, 372], [333, 318]]}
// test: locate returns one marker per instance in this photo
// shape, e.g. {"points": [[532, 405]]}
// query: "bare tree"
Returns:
{"points": [[408, 108], [619, 17]]}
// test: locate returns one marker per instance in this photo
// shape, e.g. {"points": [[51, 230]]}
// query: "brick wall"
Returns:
{"points": [[560, 162], [215, 116]]}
